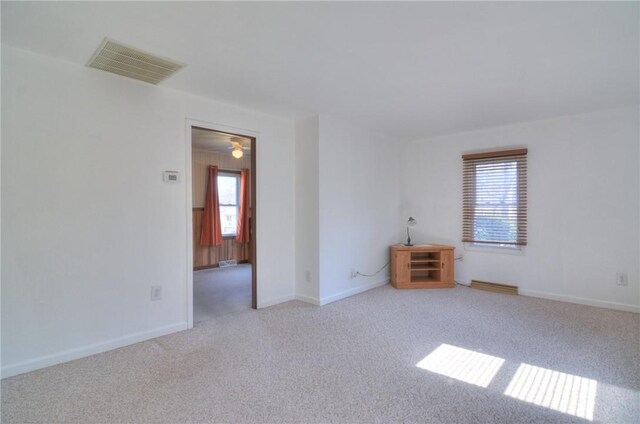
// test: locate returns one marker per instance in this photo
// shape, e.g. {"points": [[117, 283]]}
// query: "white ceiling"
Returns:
{"points": [[407, 69]]}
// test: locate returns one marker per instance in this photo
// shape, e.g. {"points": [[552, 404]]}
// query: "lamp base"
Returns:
{"points": [[407, 244]]}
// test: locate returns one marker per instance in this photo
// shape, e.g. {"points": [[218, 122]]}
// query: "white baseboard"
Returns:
{"points": [[308, 299], [351, 292], [581, 300], [81, 352], [275, 301]]}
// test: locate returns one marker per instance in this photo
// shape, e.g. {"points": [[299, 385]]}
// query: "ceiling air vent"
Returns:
{"points": [[119, 59]]}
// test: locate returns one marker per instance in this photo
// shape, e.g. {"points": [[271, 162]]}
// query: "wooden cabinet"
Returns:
{"points": [[446, 262], [421, 266], [401, 267]]}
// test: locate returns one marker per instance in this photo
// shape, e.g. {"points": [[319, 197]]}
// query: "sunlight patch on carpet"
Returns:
{"points": [[465, 365], [566, 393]]}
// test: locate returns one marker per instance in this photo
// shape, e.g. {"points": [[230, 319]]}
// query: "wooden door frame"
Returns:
{"points": [[241, 132]]}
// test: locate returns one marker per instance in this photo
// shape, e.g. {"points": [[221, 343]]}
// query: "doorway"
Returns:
{"points": [[221, 278]]}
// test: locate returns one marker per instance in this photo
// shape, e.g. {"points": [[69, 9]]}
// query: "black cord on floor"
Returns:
{"points": [[375, 273]]}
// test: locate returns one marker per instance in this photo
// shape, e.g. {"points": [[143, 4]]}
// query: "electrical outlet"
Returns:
{"points": [[353, 274], [622, 279], [307, 276], [156, 292], [461, 257]]}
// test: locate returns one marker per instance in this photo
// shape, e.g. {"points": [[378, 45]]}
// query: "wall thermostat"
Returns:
{"points": [[171, 176]]}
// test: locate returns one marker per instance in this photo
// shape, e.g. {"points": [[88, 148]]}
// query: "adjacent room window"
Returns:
{"points": [[228, 191], [495, 198]]}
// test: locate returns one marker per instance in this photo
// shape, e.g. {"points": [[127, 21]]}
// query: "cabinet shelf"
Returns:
{"points": [[416, 267], [424, 280]]}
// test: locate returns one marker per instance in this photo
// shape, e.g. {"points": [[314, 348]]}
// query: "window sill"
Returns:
{"points": [[492, 248]]}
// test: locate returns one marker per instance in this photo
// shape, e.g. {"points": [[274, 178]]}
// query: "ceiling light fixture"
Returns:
{"points": [[237, 152]]}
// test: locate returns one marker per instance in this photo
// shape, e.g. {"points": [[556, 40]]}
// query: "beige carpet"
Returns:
{"points": [[485, 358], [221, 291]]}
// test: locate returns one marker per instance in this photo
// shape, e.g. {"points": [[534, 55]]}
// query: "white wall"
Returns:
{"points": [[359, 206], [584, 187], [307, 210], [87, 223]]}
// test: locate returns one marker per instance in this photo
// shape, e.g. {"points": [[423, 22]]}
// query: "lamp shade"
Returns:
{"points": [[237, 153]]}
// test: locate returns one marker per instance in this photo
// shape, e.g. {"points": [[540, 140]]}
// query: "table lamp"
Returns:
{"points": [[411, 222]]}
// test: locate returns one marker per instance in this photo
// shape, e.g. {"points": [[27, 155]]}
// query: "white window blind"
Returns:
{"points": [[495, 198]]}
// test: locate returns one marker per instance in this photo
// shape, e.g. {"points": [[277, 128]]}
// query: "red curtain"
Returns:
{"points": [[243, 233], [211, 234]]}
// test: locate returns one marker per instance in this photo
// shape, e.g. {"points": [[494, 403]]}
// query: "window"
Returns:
{"points": [[228, 191], [495, 198]]}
